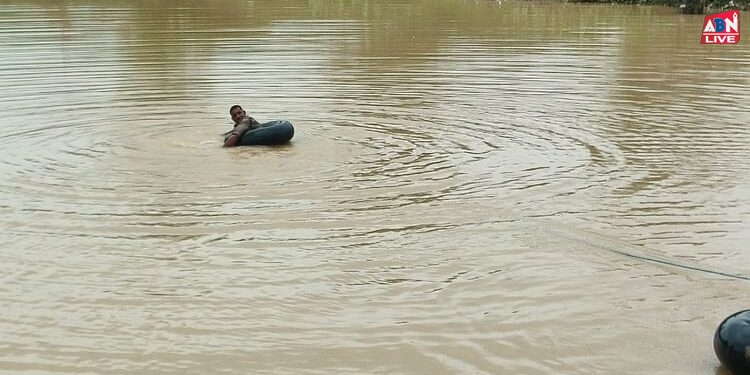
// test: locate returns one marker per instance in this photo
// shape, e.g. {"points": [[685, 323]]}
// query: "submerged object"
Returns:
{"points": [[268, 134], [732, 342]]}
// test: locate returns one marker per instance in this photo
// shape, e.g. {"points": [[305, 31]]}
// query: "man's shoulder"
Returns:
{"points": [[251, 122], [247, 119]]}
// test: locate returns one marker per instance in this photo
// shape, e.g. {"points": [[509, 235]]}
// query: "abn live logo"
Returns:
{"points": [[721, 28]]}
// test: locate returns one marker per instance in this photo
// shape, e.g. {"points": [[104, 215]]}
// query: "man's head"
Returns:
{"points": [[237, 113]]}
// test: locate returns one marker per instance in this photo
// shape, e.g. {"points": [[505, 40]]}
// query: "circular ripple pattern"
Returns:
{"points": [[454, 179]]}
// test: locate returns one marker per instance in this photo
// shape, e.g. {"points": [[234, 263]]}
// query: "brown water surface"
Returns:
{"points": [[474, 188]]}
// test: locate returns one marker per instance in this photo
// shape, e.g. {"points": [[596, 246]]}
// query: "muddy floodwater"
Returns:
{"points": [[474, 187]]}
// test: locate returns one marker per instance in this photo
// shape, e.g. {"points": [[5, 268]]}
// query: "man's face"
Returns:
{"points": [[237, 114]]}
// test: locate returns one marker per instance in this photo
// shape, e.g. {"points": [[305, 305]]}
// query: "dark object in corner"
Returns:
{"points": [[732, 342]]}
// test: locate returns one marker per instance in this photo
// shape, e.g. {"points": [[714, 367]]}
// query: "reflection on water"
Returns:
{"points": [[475, 187]]}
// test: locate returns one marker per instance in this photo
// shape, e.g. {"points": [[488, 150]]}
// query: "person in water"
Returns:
{"points": [[242, 123]]}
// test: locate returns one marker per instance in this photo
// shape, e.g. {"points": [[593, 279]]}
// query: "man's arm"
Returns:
{"points": [[234, 137], [231, 140]]}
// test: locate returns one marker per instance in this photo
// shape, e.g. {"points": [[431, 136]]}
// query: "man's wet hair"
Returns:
{"points": [[234, 106]]}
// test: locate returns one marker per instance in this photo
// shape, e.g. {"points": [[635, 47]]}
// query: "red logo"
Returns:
{"points": [[721, 28]]}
